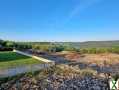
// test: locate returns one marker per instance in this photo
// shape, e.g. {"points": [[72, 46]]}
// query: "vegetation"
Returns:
{"points": [[94, 47], [41, 46], [94, 44], [116, 76], [6, 49], [88, 72], [12, 59], [100, 50]]}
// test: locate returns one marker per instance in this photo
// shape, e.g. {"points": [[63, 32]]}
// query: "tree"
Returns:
{"points": [[83, 50], [10, 44], [3, 43]]}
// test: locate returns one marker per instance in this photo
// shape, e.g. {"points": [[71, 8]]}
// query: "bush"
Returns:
{"points": [[6, 49], [116, 76], [88, 72], [100, 50]]}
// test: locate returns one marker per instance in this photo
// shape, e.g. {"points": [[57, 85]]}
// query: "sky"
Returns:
{"points": [[59, 20]]}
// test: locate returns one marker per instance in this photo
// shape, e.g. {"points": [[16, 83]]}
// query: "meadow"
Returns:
{"points": [[12, 59]]}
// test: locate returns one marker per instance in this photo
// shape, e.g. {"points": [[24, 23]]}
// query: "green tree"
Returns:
{"points": [[10, 44]]}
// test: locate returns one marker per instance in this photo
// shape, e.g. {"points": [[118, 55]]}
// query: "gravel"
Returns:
{"points": [[56, 82]]}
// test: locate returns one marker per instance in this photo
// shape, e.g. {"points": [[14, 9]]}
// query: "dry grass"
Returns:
{"points": [[88, 72], [65, 70], [100, 59]]}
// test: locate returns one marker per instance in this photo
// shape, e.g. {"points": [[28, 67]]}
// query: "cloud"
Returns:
{"points": [[81, 6]]}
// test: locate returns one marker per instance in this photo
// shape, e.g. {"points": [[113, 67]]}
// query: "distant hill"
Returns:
{"points": [[93, 44], [88, 44]]}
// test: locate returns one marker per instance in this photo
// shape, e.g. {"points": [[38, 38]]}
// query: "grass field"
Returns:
{"points": [[12, 59]]}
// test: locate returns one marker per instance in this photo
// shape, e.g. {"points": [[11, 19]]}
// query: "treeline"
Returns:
{"points": [[114, 49], [10, 44], [55, 47], [41, 46]]}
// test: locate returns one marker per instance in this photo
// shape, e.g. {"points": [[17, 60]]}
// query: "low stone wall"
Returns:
{"points": [[36, 57], [23, 69]]}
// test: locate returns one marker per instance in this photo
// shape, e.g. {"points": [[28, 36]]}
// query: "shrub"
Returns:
{"points": [[88, 72], [116, 76], [6, 49]]}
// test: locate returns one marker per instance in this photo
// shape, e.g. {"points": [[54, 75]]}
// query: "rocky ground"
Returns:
{"points": [[60, 83], [59, 78], [73, 76]]}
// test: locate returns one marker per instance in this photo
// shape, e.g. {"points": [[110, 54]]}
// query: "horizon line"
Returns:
{"points": [[58, 41]]}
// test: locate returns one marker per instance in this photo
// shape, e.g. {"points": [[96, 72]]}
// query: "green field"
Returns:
{"points": [[12, 59]]}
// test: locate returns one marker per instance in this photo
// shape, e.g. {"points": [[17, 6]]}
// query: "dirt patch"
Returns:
{"points": [[99, 59]]}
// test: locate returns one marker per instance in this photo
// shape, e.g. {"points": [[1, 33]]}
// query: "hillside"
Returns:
{"points": [[93, 44], [88, 44], [99, 44]]}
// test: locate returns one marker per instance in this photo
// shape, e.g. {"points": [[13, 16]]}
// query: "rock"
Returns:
{"points": [[102, 75], [93, 65], [71, 81]]}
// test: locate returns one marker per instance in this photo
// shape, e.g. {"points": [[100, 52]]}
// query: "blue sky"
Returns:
{"points": [[59, 20]]}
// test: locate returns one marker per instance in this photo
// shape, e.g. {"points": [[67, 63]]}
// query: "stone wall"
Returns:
{"points": [[35, 57]]}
